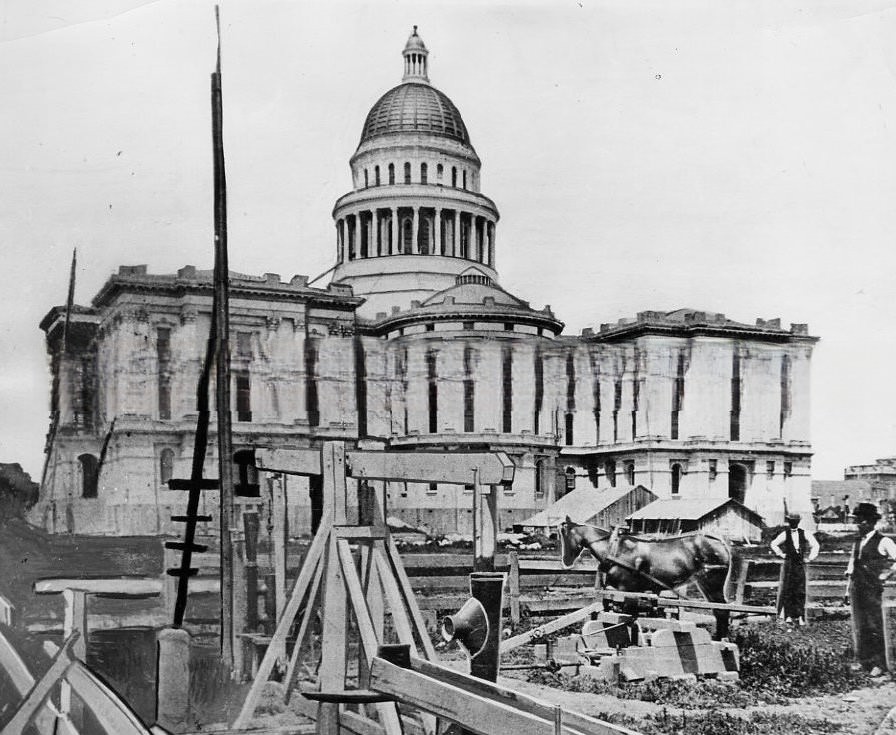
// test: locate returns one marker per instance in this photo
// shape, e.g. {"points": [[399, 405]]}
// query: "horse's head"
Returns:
{"points": [[570, 542], [576, 538]]}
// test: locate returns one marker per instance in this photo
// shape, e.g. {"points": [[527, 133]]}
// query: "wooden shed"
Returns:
{"points": [[605, 508], [723, 517]]}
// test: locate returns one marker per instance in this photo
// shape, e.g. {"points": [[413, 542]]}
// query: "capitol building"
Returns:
{"points": [[416, 345]]}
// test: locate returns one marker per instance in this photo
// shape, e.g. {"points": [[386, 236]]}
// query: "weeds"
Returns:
{"points": [[716, 722]]}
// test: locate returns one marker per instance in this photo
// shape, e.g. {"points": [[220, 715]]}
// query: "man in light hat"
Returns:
{"points": [[873, 562], [797, 547]]}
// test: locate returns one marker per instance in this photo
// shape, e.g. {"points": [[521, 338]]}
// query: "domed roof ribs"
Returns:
{"points": [[415, 61]]}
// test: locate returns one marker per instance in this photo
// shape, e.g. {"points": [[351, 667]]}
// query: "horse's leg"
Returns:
{"points": [[711, 583]]}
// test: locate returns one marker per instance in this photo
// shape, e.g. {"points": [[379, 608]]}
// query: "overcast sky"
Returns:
{"points": [[737, 157]]}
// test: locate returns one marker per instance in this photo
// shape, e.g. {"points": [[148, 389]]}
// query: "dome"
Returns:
{"points": [[414, 107]]}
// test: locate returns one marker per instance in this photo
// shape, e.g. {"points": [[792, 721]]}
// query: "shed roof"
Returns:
{"points": [[581, 505], [691, 509]]}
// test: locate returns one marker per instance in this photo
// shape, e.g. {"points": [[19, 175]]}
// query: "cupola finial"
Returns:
{"points": [[415, 61]]}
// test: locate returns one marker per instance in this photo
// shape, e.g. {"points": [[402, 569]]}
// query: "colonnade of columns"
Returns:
{"points": [[415, 230]]}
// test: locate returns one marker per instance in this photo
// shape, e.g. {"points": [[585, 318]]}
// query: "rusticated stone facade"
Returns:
{"points": [[414, 345]]}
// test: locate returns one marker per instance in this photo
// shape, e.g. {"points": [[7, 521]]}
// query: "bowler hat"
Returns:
{"points": [[793, 517], [866, 510]]}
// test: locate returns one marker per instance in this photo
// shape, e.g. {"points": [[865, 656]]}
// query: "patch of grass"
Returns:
{"points": [[801, 663], [704, 694], [716, 722]]}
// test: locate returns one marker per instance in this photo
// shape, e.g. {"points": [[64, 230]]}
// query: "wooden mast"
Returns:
{"points": [[222, 363]]}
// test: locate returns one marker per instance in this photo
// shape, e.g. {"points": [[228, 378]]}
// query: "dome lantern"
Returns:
{"points": [[415, 63]]}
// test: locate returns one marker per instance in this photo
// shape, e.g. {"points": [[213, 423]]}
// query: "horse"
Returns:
{"points": [[635, 564]]}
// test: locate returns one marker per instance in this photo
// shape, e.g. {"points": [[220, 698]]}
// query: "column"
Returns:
{"points": [[340, 243], [491, 244], [358, 234], [454, 234], [375, 229], [415, 230], [393, 230], [437, 226]]}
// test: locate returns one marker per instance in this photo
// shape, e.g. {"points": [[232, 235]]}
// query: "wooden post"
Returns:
{"points": [[238, 593], [513, 586], [222, 365], [278, 542], [250, 529], [75, 622], [485, 499], [742, 581]]}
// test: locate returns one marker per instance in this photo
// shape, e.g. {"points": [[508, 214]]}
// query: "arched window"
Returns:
{"points": [[539, 478], [423, 236], [366, 182], [454, 176], [166, 465], [570, 479], [423, 173], [407, 234], [465, 179], [610, 472], [440, 169], [89, 475], [630, 473], [676, 478], [376, 175], [407, 173], [737, 482], [391, 173]]}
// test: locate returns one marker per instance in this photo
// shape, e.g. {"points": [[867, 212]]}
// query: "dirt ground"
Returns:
{"points": [[858, 712]]}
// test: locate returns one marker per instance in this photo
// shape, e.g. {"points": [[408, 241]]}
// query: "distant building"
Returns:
{"points": [[833, 500], [722, 517], [881, 476], [416, 345]]}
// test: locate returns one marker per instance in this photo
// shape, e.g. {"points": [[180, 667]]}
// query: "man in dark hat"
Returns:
{"points": [[873, 562], [797, 547]]}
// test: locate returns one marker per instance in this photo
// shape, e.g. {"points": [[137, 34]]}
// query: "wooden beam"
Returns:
{"points": [[494, 468], [114, 586], [105, 705], [22, 681], [34, 700], [684, 602], [479, 706], [572, 721], [289, 461], [551, 627]]}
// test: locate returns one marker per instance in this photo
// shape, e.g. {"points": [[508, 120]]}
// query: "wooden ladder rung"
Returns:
{"points": [[183, 546], [186, 519]]}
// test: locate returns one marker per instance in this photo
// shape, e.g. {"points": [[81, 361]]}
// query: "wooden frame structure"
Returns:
{"points": [[35, 707], [343, 589]]}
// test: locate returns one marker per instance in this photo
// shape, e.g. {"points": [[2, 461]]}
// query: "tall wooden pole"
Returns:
{"points": [[225, 441]]}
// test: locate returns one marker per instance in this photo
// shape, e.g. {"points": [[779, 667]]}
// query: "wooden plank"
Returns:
{"points": [[396, 603], [334, 614], [685, 603], [513, 588], [310, 607], [387, 711], [23, 682], [457, 468], [109, 709], [476, 708], [278, 640], [359, 532], [551, 627], [278, 521], [288, 461], [113, 586], [34, 700], [572, 720], [410, 600]]}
